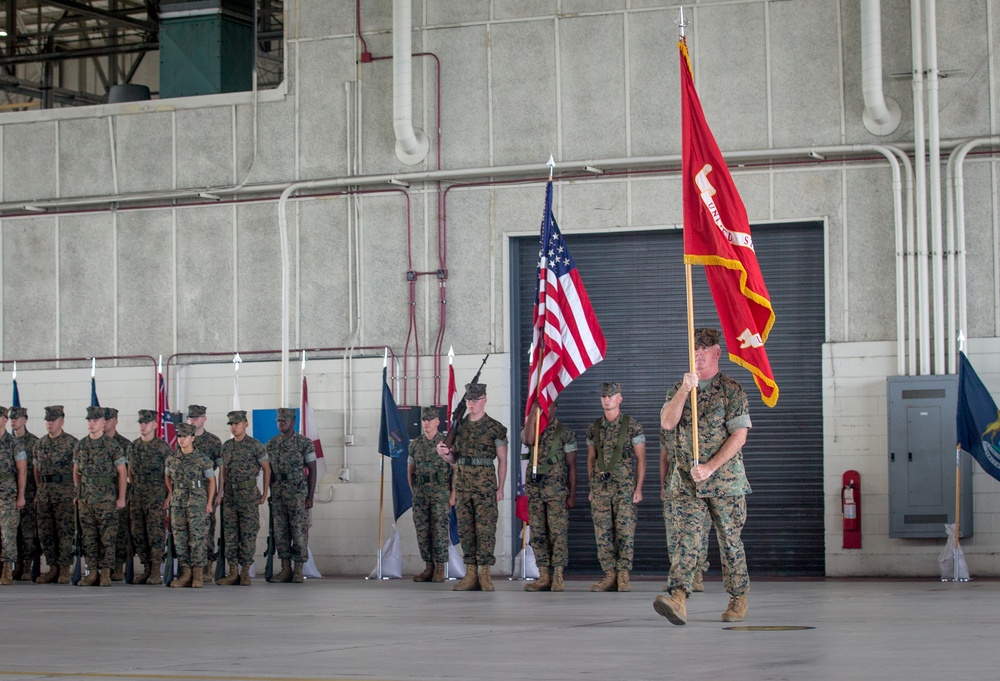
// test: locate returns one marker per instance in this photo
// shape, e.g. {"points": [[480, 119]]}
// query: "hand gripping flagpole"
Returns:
{"points": [[681, 24]]}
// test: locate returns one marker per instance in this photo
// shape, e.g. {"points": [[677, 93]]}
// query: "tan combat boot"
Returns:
{"points": [[737, 610], [183, 580], [154, 579], [25, 572], [91, 578], [542, 583], [65, 574], [141, 578], [623, 581], [118, 574], [485, 579], [609, 583], [105, 577], [438, 575], [6, 576], [673, 606], [209, 569], [286, 572], [470, 582], [198, 577], [425, 576], [698, 584], [557, 579], [297, 574], [230, 579], [48, 576], [245, 576]]}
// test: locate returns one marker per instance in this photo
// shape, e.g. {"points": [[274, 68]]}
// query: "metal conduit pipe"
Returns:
{"points": [[881, 115], [934, 167], [411, 143], [920, 174]]}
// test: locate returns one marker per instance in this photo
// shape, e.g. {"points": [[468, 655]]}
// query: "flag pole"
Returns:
{"points": [[381, 482], [958, 505], [538, 368]]}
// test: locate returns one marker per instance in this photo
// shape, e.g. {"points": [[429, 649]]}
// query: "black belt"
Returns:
{"points": [[55, 477], [286, 477]]}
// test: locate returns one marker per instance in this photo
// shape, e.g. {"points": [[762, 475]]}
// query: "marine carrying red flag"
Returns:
{"points": [[717, 235]]}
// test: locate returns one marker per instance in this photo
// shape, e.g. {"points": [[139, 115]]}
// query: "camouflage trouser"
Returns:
{"points": [[549, 520], [728, 515], [673, 527], [187, 523], [10, 517], [614, 523], [210, 525], [121, 539], [241, 523], [28, 529], [290, 522], [476, 509], [430, 518], [99, 527], [56, 524], [148, 523]]}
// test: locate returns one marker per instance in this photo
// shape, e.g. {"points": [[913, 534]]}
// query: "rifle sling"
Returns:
{"points": [[616, 457]]}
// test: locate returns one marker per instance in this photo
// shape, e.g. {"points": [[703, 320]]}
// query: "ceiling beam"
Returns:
{"points": [[115, 18], [83, 53]]}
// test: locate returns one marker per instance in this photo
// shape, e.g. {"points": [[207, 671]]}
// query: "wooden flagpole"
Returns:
{"points": [[694, 391], [381, 479], [958, 506]]}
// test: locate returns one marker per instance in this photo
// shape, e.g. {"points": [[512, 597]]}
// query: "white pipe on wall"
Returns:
{"points": [[881, 115], [934, 166], [411, 143], [920, 174]]}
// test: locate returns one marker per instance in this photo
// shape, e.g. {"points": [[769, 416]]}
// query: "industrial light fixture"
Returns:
{"points": [[3, 33], [399, 183], [34, 209], [592, 169], [210, 197]]}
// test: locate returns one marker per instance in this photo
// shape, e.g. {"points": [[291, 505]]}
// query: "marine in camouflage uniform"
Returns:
{"points": [[147, 456], [13, 478], [190, 495], [668, 442], [27, 538], [430, 480], [100, 476], [243, 457], [717, 482], [290, 455], [480, 439], [211, 446], [551, 493], [55, 512], [616, 467], [124, 524]]}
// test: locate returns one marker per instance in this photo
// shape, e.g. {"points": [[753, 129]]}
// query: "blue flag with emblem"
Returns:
{"points": [[93, 393], [15, 400], [394, 442], [978, 419]]}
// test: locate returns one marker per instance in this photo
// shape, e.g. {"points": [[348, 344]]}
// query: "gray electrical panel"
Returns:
{"points": [[922, 440]]}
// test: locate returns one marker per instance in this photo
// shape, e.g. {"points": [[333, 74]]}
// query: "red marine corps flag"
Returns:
{"points": [[717, 235]]}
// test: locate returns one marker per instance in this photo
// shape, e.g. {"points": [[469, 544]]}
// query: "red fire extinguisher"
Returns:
{"points": [[851, 509]]}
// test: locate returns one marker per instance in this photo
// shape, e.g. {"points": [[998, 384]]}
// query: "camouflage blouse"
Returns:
{"points": [[480, 439], [722, 410], [146, 461], [242, 462], [184, 470], [603, 435], [97, 461]]}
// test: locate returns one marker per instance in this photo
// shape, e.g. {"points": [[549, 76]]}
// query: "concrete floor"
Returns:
{"points": [[358, 629]]}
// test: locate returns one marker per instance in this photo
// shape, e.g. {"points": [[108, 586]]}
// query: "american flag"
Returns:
{"points": [[566, 336]]}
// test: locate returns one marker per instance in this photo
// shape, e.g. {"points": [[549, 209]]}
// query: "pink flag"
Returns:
{"points": [[307, 427]]}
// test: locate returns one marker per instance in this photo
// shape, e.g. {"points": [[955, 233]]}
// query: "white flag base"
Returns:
{"points": [[309, 570], [392, 559], [530, 568]]}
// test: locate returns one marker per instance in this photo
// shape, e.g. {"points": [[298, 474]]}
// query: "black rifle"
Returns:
{"points": [[36, 559], [459, 413], [129, 559], [269, 551], [77, 545], [168, 569], [220, 563]]}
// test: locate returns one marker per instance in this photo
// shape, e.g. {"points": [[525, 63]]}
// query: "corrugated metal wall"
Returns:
{"points": [[636, 283]]}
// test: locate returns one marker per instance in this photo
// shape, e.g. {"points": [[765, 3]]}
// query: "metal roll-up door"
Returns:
{"points": [[636, 284]]}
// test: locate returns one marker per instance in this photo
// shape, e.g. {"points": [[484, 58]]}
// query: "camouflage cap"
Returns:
{"points": [[609, 389], [147, 416], [286, 414], [185, 430], [706, 338], [54, 412], [18, 413], [94, 413], [196, 410], [3, 412], [237, 416], [430, 413], [110, 413], [473, 391]]}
